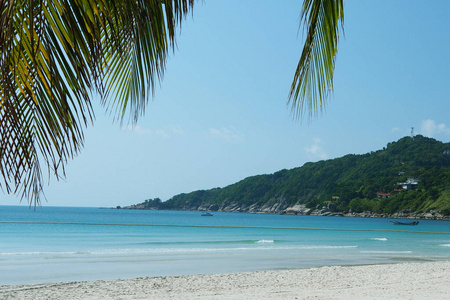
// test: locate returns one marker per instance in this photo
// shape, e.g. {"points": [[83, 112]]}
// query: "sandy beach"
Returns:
{"points": [[392, 281]]}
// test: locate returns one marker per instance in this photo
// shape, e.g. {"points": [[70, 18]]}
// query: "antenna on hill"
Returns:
{"points": [[412, 132]]}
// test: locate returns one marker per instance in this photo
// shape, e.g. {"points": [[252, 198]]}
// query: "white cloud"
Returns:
{"points": [[315, 151], [429, 128], [395, 129], [229, 134], [166, 132]]}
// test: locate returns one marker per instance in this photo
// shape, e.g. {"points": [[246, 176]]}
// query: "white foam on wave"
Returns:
{"points": [[263, 245], [328, 247], [127, 251], [445, 245], [379, 239], [37, 253], [265, 242]]}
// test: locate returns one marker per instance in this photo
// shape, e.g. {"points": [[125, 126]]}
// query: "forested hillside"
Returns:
{"points": [[368, 182]]}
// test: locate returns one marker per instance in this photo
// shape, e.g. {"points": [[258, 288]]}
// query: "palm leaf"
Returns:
{"points": [[54, 56], [313, 78]]}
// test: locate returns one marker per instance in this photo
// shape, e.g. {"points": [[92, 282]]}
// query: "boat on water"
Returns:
{"points": [[207, 214], [405, 223]]}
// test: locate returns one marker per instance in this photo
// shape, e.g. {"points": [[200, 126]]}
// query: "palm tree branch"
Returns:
{"points": [[313, 78], [54, 55]]}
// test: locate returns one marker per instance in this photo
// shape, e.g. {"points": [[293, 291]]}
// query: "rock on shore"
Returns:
{"points": [[281, 207]]}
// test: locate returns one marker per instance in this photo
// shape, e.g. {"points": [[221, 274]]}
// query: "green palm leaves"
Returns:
{"points": [[313, 77], [54, 55]]}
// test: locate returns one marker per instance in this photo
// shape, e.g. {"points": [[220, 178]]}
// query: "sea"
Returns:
{"points": [[65, 244]]}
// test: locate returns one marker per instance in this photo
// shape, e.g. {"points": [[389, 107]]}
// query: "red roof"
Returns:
{"points": [[383, 194]]}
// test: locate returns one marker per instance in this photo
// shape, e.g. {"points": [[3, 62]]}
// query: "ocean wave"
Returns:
{"points": [[265, 242], [327, 247], [181, 250], [212, 242], [445, 245], [386, 252], [379, 239], [256, 245], [41, 253]]}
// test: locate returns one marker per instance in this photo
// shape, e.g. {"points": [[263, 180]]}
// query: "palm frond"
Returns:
{"points": [[313, 78], [136, 61], [54, 55]]}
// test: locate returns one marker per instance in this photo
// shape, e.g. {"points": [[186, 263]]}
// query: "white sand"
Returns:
{"points": [[400, 281]]}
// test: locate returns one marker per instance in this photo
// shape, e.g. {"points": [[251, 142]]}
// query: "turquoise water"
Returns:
{"points": [[60, 244]]}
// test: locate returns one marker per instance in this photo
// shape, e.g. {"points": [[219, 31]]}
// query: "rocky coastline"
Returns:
{"points": [[297, 209]]}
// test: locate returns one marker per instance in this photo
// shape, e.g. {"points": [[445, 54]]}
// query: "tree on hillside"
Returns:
{"points": [[55, 55]]}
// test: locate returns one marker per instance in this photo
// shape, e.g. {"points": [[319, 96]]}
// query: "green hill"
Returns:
{"points": [[353, 183]]}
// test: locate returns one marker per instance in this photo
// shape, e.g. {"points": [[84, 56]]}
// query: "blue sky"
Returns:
{"points": [[220, 112]]}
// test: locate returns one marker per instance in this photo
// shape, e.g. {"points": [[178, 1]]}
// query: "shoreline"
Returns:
{"points": [[314, 212], [423, 280]]}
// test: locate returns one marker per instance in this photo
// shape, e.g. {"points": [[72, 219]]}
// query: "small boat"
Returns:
{"points": [[405, 223], [207, 214]]}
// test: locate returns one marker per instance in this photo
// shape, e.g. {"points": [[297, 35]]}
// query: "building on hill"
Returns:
{"points": [[383, 195], [410, 184]]}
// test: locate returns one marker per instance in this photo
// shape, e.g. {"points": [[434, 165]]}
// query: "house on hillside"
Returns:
{"points": [[410, 184], [383, 195]]}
